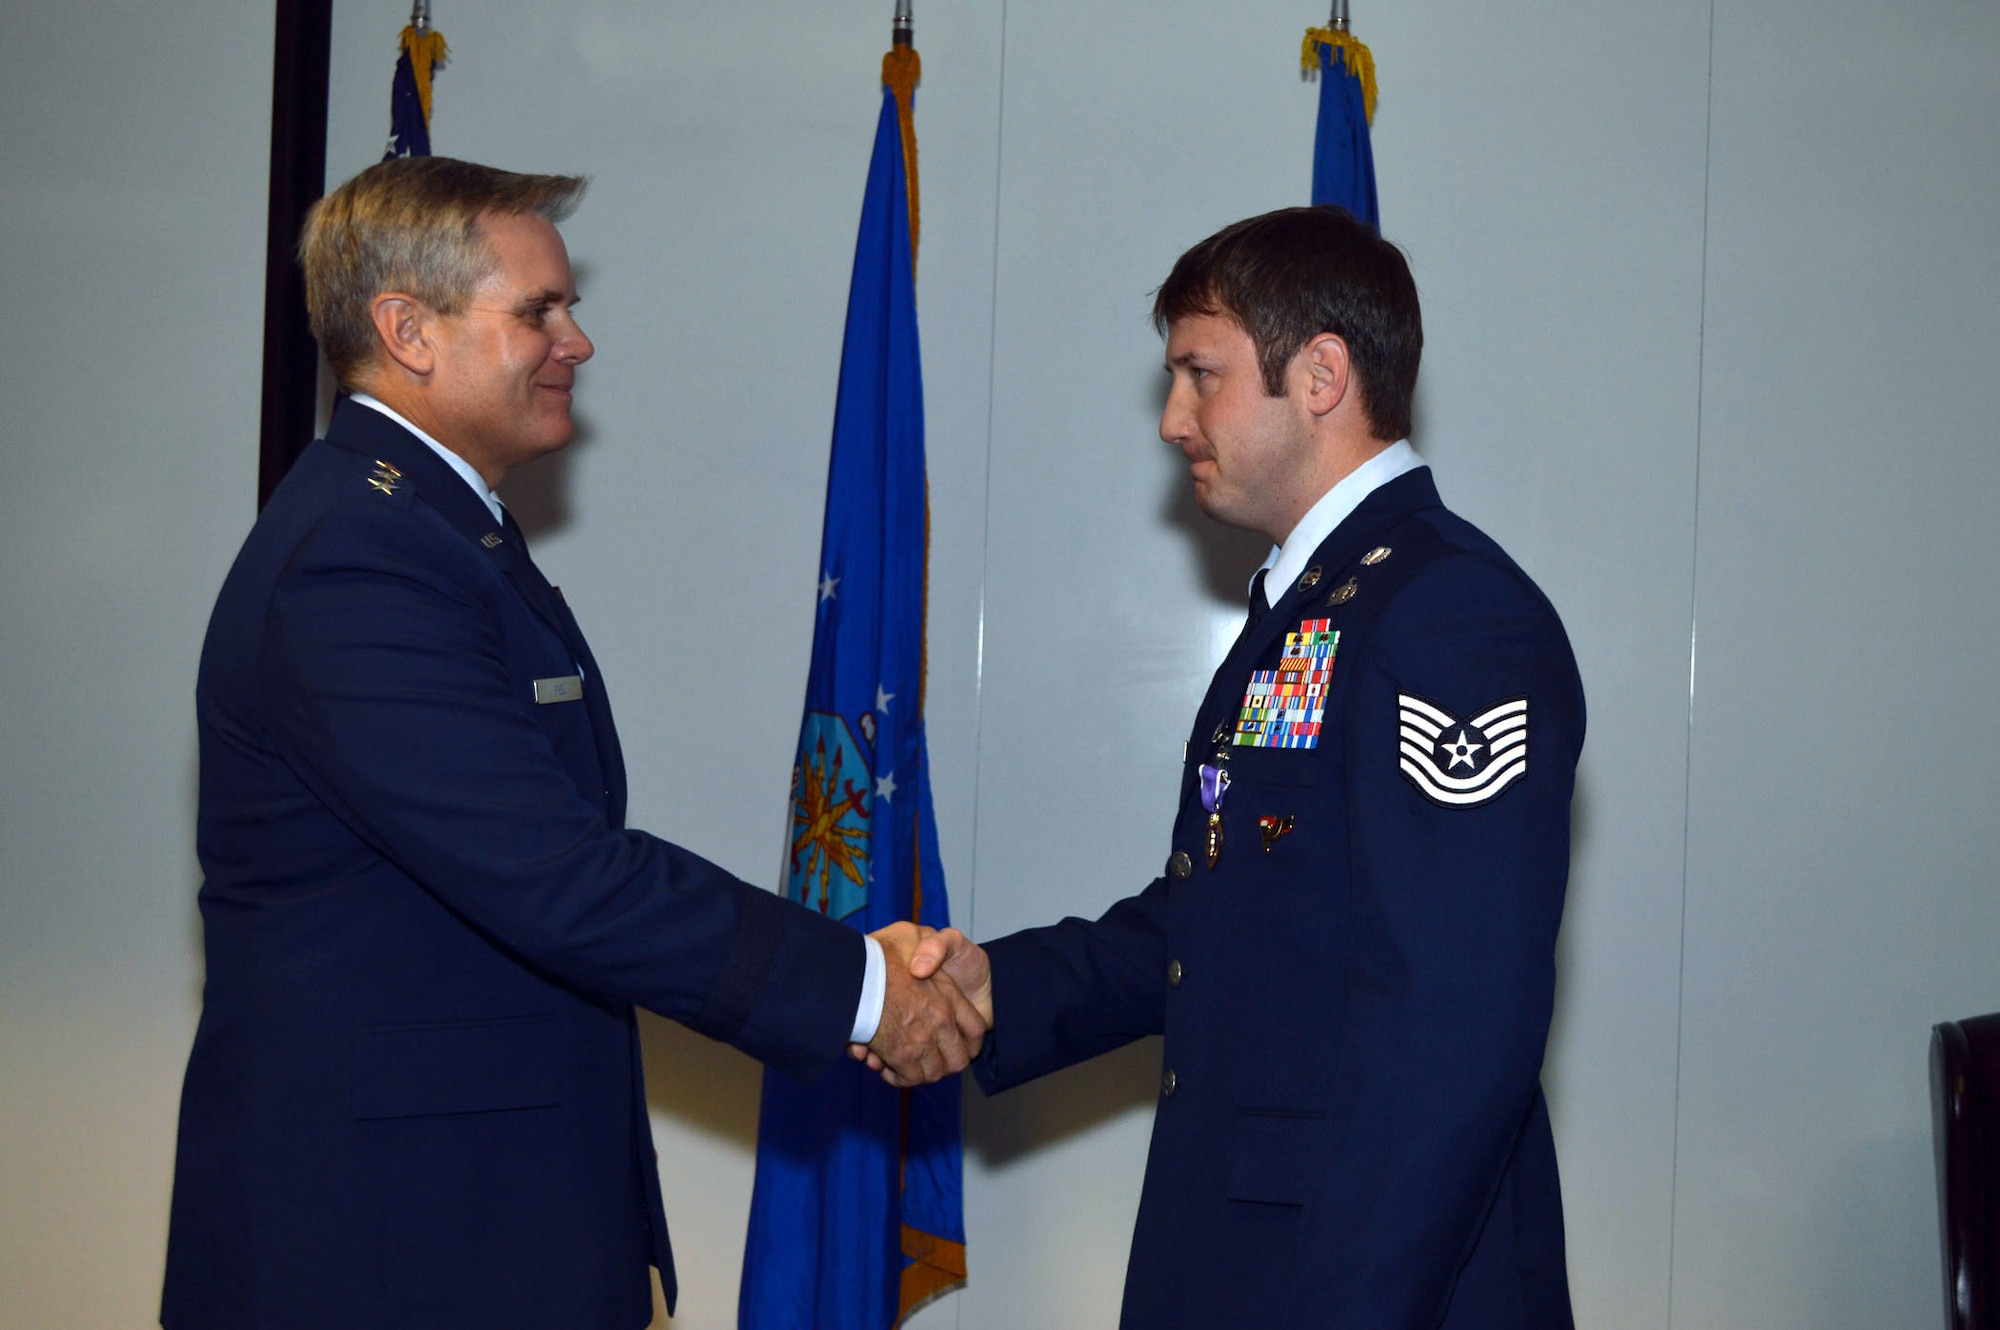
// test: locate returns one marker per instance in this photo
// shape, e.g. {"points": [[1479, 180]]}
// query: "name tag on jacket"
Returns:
{"points": [[563, 688]]}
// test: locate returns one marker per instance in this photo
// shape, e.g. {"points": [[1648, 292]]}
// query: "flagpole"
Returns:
{"points": [[420, 15], [903, 31], [1339, 20]]}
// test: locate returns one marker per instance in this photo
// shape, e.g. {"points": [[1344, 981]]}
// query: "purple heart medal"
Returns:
{"points": [[1214, 785]]}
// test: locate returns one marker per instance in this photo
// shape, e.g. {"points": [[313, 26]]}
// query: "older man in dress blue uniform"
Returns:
{"points": [[1351, 952], [415, 1096]]}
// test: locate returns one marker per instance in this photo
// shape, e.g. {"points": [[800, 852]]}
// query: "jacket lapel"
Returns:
{"points": [[1358, 533], [359, 429], [373, 435], [548, 603]]}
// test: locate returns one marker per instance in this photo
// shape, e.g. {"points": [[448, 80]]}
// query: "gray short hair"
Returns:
{"points": [[410, 224]]}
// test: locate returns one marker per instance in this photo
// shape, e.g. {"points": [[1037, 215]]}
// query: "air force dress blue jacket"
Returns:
{"points": [[415, 1099], [1351, 954]]}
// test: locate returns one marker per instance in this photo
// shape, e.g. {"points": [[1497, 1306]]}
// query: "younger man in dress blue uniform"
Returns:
{"points": [[1351, 953], [415, 1101]]}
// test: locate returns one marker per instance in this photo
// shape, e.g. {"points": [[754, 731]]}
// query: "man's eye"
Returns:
{"points": [[536, 315]]}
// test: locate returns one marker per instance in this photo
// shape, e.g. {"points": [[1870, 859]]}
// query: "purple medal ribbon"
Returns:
{"points": [[1214, 784]]}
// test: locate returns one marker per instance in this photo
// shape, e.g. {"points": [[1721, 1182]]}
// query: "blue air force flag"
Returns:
{"points": [[423, 53], [1343, 156], [857, 1213]]}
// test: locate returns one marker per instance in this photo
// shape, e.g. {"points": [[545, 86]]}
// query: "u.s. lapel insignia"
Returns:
{"points": [[491, 540], [1462, 763], [1282, 707]]}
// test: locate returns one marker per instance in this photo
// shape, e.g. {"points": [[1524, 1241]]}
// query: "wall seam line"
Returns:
{"points": [[1694, 637], [986, 525], [985, 539]]}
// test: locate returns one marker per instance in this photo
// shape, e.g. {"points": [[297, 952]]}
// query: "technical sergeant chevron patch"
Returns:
{"points": [[1462, 763]]}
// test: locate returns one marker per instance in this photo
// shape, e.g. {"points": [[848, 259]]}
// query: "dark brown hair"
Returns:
{"points": [[1290, 275]]}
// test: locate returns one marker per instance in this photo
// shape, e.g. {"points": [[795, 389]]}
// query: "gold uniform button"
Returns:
{"points": [[1173, 974], [1180, 865], [1169, 1083]]}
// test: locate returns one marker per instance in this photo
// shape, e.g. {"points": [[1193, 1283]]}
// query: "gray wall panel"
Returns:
{"points": [[132, 242], [1841, 892]]}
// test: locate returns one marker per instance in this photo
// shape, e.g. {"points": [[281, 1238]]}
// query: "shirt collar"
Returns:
{"points": [[1287, 561], [450, 458]]}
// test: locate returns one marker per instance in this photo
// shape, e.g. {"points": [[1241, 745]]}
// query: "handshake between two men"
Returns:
{"points": [[937, 1005]]}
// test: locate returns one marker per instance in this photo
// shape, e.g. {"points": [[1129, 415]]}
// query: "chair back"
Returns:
{"points": [[1965, 1122]]}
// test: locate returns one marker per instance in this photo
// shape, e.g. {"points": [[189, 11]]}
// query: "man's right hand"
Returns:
{"points": [[958, 968], [963, 961], [929, 1029]]}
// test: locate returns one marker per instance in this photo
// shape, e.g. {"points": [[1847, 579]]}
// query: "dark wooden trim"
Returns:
{"points": [[298, 177]]}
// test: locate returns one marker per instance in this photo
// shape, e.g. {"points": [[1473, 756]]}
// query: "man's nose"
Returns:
{"points": [[576, 346], [1176, 421]]}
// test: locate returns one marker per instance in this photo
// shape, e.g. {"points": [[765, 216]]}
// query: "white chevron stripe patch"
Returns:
{"points": [[1462, 763]]}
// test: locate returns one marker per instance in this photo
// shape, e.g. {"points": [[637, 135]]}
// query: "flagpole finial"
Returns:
{"points": [[420, 15], [1339, 22], [903, 31]]}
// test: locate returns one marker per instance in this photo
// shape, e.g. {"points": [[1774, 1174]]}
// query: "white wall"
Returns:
{"points": [[1710, 297], [1841, 824], [131, 243]]}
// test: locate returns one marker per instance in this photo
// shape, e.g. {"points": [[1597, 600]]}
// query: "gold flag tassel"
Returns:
{"points": [[937, 1267], [901, 68], [427, 51], [1347, 49]]}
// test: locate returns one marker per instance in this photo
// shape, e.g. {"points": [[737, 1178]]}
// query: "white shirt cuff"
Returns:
{"points": [[874, 990]]}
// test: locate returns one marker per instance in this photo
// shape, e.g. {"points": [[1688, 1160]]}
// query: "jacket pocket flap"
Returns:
{"points": [[470, 1067], [1279, 766], [1271, 1157]]}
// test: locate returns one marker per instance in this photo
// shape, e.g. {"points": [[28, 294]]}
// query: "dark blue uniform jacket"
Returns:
{"points": [[1351, 1132], [414, 1098]]}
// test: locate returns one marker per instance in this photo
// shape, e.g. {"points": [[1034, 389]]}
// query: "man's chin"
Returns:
{"points": [[1214, 505], [552, 441], [1218, 509], [559, 429]]}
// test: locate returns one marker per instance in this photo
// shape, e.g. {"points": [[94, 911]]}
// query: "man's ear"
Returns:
{"points": [[403, 324], [1329, 373]]}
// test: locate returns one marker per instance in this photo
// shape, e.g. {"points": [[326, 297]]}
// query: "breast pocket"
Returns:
{"points": [[1291, 767], [466, 1067]]}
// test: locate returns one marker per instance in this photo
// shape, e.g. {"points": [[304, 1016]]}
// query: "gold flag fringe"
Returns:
{"points": [[901, 68], [427, 50], [1349, 51], [937, 1267]]}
